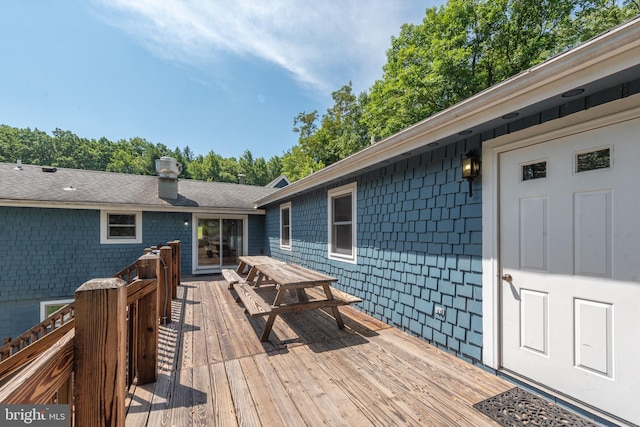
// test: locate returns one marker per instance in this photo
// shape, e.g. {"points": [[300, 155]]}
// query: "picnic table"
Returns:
{"points": [[266, 273]]}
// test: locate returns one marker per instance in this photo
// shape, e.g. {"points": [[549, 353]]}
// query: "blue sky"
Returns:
{"points": [[221, 75]]}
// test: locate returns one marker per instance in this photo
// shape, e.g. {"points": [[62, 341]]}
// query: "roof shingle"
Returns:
{"points": [[31, 184]]}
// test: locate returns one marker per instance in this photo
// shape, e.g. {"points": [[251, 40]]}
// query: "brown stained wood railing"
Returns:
{"points": [[39, 382], [28, 354], [111, 313], [66, 313], [48, 325], [129, 273], [55, 320]]}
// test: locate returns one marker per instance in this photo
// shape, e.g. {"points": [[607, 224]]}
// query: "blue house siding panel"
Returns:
{"points": [[68, 239], [162, 227], [418, 243], [255, 239]]}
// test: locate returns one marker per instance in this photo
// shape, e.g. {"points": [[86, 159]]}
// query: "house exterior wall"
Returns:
{"points": [[419, 237], [255, 239], [419, 247], [46, 254]]}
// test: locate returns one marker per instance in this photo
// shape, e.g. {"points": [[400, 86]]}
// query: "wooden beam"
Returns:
{"points": [[100, 352], [165, 275], [177, 262], [147, 336], [148, 265], [38, 382], [139, 288], [29, 353]]}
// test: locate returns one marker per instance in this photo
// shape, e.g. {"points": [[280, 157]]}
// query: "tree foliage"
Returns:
{"points": [[458, 50], [134, 156], [469, 45], [341, 133]]}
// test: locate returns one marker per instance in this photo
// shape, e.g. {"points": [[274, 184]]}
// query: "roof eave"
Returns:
{"points": [[130, 207], [611, 52]]}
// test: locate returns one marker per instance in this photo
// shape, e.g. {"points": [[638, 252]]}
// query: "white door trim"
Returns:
{"points": [[194, 235], [603, 115]]}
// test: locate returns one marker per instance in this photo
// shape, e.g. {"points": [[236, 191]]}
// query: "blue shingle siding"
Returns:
{"points": [[46, 254], [256, 235], [17, 317], [419, 237], [419, 246]]}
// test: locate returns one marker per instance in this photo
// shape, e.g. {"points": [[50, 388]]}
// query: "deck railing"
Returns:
{"points": [[108, 338], [56, 320]]}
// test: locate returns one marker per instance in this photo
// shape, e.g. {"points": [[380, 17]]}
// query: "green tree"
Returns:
{"points": [[129, 157], [460, 49], [134, 156], [593, 17], [341, 133], [205, 168], [229, 170], [274, 167], [297, 164], [255, 170]]}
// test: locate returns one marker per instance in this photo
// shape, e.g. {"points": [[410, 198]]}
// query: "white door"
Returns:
{"points": [[570, 242], [218, 242]]}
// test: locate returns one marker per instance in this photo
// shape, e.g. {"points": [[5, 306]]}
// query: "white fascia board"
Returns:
{"points": [[114, 206], [600, 57]]}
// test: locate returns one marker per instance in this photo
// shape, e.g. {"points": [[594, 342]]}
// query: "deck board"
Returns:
{"points": [[214, 371]]}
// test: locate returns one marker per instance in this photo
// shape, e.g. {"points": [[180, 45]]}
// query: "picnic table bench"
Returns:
{"points": [[266, 273]]}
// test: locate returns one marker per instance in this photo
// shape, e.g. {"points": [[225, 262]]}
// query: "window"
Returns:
{"points": [[536, 170], [120, 227], [342, 223], [285, 226], [47, 308], [592, 160]]}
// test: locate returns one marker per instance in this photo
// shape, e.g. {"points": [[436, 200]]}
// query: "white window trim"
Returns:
{"points": [[336, 192], [104, 227], [283, 207], [44, 304]]}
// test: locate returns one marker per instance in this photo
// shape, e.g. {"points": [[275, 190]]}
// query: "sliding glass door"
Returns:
{"points": [[220, 241]]}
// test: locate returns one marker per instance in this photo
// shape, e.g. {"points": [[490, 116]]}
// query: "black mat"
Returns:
{"points": [[518, 407]]}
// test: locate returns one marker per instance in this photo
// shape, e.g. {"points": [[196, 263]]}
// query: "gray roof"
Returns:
{"points": [[83, 188]]}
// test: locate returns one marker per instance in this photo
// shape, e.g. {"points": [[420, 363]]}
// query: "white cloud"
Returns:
{"points": [[323, 44]]}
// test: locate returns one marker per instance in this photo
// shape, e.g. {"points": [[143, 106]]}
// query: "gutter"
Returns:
{"points": [[125, 207], [604, 55]]}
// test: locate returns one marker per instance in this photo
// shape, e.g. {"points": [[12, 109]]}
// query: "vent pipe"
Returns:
{"points": [[241, 178], [168, 170]]}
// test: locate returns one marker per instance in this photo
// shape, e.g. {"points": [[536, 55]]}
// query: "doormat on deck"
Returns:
{"points": [[518, 407]]}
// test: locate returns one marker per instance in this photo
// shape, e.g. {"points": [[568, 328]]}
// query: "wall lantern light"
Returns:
{"points": [[186, 222], [471, 168]]}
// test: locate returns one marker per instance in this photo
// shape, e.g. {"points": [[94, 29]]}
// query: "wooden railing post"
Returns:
{"points": [[175, 246], [164, 285], [100, 352], [147, 323]]}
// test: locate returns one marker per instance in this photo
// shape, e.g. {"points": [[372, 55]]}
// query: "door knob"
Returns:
{"points": [[507, 278]]}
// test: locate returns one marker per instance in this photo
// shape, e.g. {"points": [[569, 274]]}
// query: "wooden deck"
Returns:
{"points": [[215, 371]]}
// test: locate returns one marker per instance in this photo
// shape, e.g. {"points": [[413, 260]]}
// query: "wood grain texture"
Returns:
{"points": [[253, 303], [232, 277], [26, 355], [308, 373], [100, 352], [39, 381]]}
